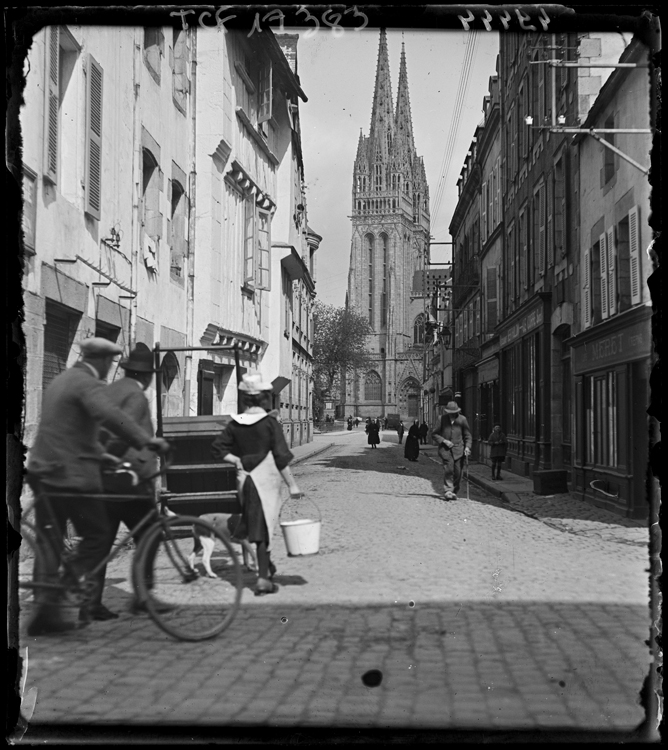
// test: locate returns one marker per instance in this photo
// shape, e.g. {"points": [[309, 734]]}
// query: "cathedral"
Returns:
{"points": [[389, 253]]}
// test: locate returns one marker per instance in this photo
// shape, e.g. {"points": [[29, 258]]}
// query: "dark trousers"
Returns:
{"points": [[89, 518], [130, 513], [497, 463]]}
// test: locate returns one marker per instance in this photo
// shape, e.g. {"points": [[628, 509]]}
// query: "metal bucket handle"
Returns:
{"points": [[301, 497]]}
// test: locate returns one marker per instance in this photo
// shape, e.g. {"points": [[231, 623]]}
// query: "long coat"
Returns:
{"points": [[128, 394], [458, 432], [373, 431], [67, 450], [499, 444], [412, 449]]}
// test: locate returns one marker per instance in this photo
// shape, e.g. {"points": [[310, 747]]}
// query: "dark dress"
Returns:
{"points": [[251, 443], [373, 431], [412, 449]]}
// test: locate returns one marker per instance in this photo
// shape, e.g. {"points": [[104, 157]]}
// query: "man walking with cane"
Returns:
{"points": [[454, 440]]}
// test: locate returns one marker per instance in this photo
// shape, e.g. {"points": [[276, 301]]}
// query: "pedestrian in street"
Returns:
{"points": [[412, 449], [356, 422], [255, 444], [66, 458], [454, 440], [128, 394], [350, 423], [400, 432], [424, 431], [373, 432], [499, 445]]}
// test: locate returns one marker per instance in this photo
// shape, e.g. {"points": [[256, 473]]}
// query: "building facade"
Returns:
{"points": [[166, 225], [389, 253]]}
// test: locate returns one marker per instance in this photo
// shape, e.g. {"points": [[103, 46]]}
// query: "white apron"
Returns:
{"points": [[267, 479]]}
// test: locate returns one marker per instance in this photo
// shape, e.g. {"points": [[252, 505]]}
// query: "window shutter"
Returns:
{"points": [[93, 173], [483, 201], [541, 230], [249, 240], [491, 298], [478, 305], [586, 289], [603, 254], [612, 271], [263, 244], [265, 93], [634, 256], [52, 104], [497, 193]]}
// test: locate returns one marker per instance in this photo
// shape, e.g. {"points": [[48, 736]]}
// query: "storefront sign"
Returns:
{"points": [[631, 343], [488, 371], [530, 321]]}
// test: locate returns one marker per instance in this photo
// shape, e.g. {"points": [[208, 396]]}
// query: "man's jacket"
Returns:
{"points": [[457, 431], [128, 395], [67, 450]]}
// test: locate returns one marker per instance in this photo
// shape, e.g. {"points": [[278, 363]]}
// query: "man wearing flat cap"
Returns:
{"points": [[454, 440], [66, 459]]}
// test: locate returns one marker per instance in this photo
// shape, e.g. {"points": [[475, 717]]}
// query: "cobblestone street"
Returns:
{"points": [[477, 617]]}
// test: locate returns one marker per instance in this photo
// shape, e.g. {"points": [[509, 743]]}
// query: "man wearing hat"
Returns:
{"points": [[454, 440], [127, 394], [66, 459]]}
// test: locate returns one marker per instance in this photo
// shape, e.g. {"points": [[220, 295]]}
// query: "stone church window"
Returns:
{"points": [[418, 329], [372, 387], [369, 251]]}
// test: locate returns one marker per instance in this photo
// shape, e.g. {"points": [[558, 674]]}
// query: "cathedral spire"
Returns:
{"points": [[382, 120], [403, 122]]}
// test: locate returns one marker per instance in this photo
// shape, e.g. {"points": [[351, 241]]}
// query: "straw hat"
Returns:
{"points": [[254, 384], [452, 408]]}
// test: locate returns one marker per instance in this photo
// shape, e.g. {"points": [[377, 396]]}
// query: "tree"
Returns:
{"points": [[339, 347]]}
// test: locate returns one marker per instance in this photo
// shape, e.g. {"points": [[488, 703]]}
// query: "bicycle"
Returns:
{"points": [[184, 604]]}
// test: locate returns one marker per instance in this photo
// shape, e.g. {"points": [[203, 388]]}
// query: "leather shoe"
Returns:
{"points": [[272, 570], [263, 586], [97, 612], [140, 608], [44, 624]]}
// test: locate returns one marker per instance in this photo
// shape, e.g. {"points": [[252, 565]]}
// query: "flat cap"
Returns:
{"points": [[97, 346]]}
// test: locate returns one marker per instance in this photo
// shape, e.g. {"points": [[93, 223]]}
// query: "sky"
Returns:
{"points": [[338, 76]]}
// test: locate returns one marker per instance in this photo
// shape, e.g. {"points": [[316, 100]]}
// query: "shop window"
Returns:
{"points": [[60, 328], [530, 380], [372, 387], [601, 421], [154, 49]]}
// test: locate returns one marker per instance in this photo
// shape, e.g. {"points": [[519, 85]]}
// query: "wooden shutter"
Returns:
{"points": [[52, 103], [497, 193], [263, 245], [265, 93], [249, 240], [586, 289], [612, 271], [59, 333], [541, 230], [93, 169], [603, 255], [491, 298], [634, 255], [483, 206]]}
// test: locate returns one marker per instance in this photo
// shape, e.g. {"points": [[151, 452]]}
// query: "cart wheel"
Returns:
{"points": [[185, 604]]}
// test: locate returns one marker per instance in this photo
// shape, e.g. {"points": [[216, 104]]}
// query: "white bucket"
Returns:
{"points": [[301, 537]]}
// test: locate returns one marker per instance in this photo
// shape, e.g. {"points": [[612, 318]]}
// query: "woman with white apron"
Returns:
{"points": [[255, 444]]}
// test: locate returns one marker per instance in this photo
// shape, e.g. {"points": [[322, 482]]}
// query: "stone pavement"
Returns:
{"points": [[564, 511], [476, 617]]}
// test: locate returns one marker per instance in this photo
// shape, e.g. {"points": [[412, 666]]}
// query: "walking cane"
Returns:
{"points": [[466, 458]]}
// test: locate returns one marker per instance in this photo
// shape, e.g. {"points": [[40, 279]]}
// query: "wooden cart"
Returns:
{"points": [[195, 483]]}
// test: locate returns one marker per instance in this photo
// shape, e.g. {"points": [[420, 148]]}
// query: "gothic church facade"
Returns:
{"points": [[389, 253]]}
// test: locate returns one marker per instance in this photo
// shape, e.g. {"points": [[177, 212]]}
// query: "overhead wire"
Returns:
{"points": [[465, 74]]}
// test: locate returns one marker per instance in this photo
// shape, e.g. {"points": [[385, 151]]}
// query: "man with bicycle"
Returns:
{"points": [[64, 465]]}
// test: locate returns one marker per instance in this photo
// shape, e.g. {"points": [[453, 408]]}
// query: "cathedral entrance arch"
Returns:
{"points": [[409, 398]]}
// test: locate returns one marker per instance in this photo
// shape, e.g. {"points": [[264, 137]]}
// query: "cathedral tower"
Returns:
{"points": [[389, 250]]}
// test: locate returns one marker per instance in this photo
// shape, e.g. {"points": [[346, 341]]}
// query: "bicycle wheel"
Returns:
{"points": [[184, 604]]}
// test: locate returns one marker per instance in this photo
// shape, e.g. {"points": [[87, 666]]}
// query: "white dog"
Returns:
{"points": [[230, 525]]}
